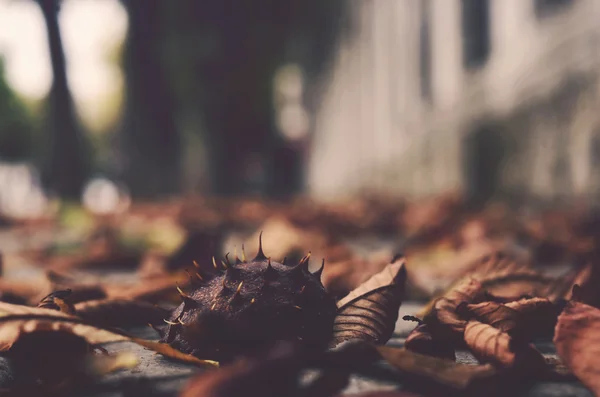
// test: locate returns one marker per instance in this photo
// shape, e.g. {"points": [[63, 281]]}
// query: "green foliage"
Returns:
{"points": [[16, 125]]}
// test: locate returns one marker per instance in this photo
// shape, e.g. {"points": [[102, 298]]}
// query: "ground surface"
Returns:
{"points": [[156, 376], [165, 378]]}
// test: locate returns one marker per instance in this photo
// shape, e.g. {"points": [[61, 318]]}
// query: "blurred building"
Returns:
{"points": [[484, 96]]}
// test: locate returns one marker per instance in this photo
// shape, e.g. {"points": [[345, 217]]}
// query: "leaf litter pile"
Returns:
{"points": [[302, 299]]}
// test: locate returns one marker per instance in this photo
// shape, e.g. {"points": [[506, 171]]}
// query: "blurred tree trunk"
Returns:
{"points": [[150, 143], [239, 82], [66, 163], [239, 107]]}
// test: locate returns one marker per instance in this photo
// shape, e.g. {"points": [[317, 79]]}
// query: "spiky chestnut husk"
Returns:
{"points": [[250, 305]]}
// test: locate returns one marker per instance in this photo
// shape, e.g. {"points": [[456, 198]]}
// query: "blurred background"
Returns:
{"points": [[143, 141], [144, 134], [102, 100]]}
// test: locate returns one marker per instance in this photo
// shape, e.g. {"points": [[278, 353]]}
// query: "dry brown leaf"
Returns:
{"points": [[577, 341], [443, 321], [444, 377], [15, 319], [524, 318], [120, 312], [492, 345], [57, 358], [421, 341], [504, 277], [370, 311]]}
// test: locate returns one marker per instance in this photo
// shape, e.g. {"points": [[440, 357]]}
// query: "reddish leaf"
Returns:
{"points": [[443, 320], [577, 341], [528, 318], [15, 319], [492, 345], [436, 376]]}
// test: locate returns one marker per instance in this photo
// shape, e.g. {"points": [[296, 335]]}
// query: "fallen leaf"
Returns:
{"points": [[577, 341], [120, 312], [443, 320], [503, 277], [437, 376], [525, 318], [15, 319], [370, 311], [57, 358], [489, 344]]}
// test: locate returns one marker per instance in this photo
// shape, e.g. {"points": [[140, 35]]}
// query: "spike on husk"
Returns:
{"points": [[260, 256]]}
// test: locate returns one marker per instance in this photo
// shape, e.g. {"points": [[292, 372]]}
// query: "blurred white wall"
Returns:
{"points": [[402, 98]]}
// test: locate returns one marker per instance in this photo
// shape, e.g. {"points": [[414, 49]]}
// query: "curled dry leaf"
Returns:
{"points": [[492, 345], [370, 311], [120, 312], [421, 341], [577, 341], [15, 319], [504, 278], [443, 320], [524, 318]]}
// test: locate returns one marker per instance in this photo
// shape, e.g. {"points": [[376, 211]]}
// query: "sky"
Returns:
{"points": [[91, 30]]}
